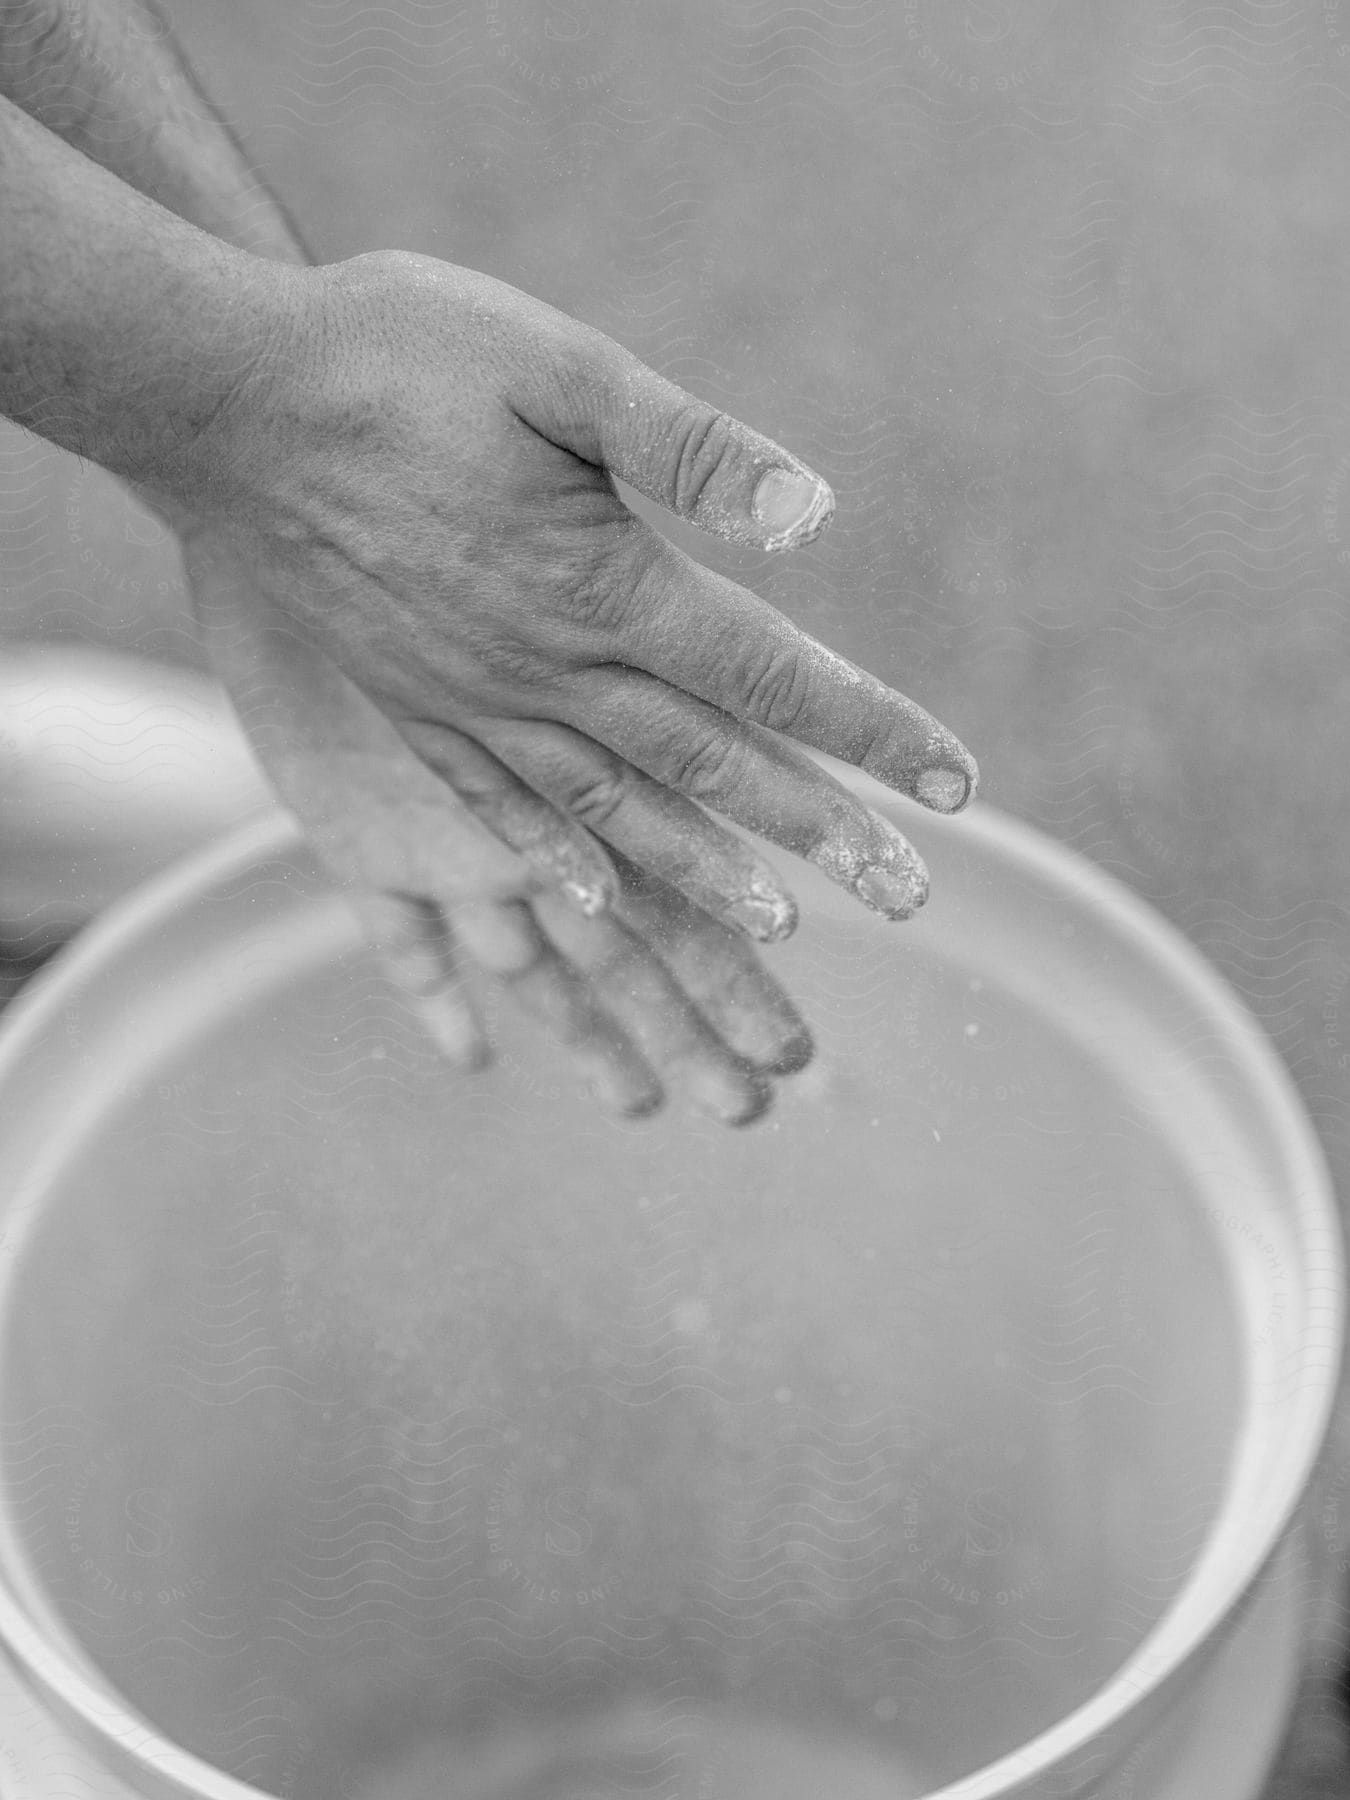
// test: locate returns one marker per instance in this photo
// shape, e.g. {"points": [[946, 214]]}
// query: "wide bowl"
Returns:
{"points": [[372, 1430]]}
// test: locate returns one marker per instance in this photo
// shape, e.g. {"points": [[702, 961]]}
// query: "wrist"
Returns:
{"points": [[218, 381], [232, 455], [217, 317]]}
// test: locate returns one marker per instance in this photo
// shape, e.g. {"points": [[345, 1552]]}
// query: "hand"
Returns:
{"points": [[446, 634]]}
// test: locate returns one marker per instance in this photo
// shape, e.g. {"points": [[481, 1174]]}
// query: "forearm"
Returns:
{"points": [[107, 77], [123, 330]]}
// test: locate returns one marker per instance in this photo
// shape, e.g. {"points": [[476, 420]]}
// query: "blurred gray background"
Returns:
{"points": [[1055, 295]]}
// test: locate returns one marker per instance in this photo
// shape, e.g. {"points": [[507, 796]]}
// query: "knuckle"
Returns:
{"points": [[595, 797], [513, 665], [707, 769], [837, 831], [774, 690], [700, 440], [613, 591], [599, 599]]}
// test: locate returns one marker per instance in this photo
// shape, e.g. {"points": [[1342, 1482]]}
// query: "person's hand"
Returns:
{"points": [[446, 634]]}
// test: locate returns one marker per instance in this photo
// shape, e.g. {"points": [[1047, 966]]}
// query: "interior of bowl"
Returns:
{"points": [[372, 1427]]}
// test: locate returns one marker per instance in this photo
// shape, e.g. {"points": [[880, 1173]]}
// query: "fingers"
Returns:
{"points": [[506, 942], [440, 895], [423, 955], [649, 823], [689, 626], [635, 1023], [689, 990], [643, 994], [709, 1018], [377, 815], [756, 779], [595, 398], [417, 951], [552, 843], [627, 1025], [705, 634], [425, 874], [720, 972]]}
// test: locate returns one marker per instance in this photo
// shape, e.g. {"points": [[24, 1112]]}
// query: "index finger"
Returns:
{"points": [[704, 633]]}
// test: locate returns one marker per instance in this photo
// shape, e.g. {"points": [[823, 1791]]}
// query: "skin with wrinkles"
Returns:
{"points": [[481, 684], [418, 478]]}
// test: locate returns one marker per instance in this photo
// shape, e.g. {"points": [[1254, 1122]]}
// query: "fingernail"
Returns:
{"points": [[945, 790], [733, 1098], [626, 1094], [793, 1057], [766, 917], [792, 505], [895, 892]]}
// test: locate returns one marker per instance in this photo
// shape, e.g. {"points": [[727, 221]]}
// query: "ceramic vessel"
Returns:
{"points": [[369, 1430]]}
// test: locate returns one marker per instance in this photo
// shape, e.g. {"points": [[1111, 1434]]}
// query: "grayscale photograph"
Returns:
{"points": [[674, 899]]}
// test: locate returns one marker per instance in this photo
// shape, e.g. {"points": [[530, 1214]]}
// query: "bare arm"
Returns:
{"points": [[125, 330], [447, 637], [106, 76]]}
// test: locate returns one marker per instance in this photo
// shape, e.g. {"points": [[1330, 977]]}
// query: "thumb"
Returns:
{"points": [[598, 400]]}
